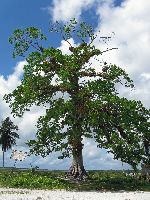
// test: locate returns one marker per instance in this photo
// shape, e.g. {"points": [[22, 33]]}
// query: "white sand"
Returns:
{"points": [[24, 194]]}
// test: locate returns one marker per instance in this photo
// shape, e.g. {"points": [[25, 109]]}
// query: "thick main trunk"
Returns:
{"points": [[145, 169], [77, 170], [145, 172]]}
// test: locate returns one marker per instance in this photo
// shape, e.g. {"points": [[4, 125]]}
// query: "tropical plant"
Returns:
{"points": [[8, 135], [80, 102]]}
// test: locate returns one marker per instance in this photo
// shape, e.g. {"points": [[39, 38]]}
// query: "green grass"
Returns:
{"points": [[98, 181]]}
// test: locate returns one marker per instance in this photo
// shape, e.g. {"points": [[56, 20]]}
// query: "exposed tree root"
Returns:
{"points": [[77, 173]]}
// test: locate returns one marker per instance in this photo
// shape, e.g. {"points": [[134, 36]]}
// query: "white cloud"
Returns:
{"points": [[65, 46], [9, 84], [64, 10], [130, 22], [145, 76]]}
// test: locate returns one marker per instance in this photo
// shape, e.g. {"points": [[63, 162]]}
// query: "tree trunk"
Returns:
{"points": [[145, 171], [77, 170], [3, 159]]}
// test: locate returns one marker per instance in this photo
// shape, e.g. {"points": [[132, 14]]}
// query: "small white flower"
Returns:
{"points": [[18, 155]]}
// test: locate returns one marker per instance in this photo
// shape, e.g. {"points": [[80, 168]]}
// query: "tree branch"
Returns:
{"points": [[121, 131], [108, 50], [118, 127], [90, 74], [53, 89]]}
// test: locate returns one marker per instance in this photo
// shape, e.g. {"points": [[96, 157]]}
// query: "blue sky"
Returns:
{"points": [[129, 20], [20, 14]]}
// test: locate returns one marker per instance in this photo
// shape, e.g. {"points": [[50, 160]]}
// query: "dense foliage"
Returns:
{"points": [[79, 100]]}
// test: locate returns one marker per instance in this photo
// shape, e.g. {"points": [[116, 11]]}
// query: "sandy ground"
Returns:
{"points": [[24, 194]]}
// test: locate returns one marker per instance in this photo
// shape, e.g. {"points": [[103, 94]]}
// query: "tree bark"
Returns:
{"points": [[145, 169], [145, 172], [3, 159], [77, 170]]}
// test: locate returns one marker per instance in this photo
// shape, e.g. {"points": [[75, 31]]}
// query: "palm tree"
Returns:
{"points": [[8, 135]]}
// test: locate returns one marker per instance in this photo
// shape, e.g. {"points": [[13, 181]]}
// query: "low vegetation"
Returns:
{"points": [[98, 180]]}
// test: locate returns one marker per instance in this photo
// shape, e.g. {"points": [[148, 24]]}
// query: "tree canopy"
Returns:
{"points": [[8, 135], [92, 108]]}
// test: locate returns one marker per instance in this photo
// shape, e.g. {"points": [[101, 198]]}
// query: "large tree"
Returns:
{"points": [[8, 135], [80, 102]]}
